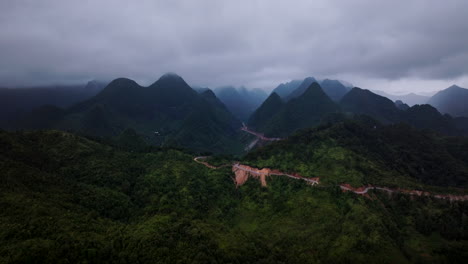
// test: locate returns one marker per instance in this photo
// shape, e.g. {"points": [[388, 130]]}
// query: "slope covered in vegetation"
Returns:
{"points": [[304, 111], [362, 151], [69, 199], [168, 112]]}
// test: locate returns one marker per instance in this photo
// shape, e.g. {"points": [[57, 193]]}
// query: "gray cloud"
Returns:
{"points": [[212, 42]]}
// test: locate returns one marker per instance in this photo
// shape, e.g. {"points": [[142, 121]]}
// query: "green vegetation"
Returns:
{"points": [[363, 152], [304, 111], [313, 106], [260, 118], [68, 199], [166, 113], [360, 101]]}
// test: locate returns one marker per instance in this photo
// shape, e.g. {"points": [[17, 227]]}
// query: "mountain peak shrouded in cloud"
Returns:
{"points": [[302, 88], [410, 98], [167, 112], [242, 102], [170, 79], [170, 76], [284, 89], [334, 89], [371, 44], [454, 87], [453, 101]]}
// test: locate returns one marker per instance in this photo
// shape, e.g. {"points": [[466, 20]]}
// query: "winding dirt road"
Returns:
{"points": [[244, 172], [201, 158]]}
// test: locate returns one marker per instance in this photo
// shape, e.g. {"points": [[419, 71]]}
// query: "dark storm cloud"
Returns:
{"points": [[258, 43]]}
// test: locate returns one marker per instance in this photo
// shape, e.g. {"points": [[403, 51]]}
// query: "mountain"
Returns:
{"points": [[210, 126], [364, 102], [360, 101], [284, 89], [66, 198], [16, 102], [241, 102], [266, 111], [334, 89], [210, 97], [301, 88], [409, 99], [168, 111], [400, 105], [307, 110], [279, 119], [453, 101]]}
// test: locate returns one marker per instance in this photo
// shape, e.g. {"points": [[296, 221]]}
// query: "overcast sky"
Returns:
{"points": [[397, 46]]}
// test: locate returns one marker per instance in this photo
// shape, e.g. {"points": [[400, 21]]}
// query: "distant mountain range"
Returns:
{"points": [[279, 118], [284, 89], [453, 100], [242, 102], [333, 88], [409, 99], [168, 112], [303, 111]]}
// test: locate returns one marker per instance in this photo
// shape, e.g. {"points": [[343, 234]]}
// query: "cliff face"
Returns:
{"points": [[243, 172]]}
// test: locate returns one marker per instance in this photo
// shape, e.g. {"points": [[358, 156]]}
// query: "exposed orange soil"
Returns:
{"points": [[243, 172]]}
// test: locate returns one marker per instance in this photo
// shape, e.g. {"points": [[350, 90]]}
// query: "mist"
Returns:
{"points": [[394, 46]]}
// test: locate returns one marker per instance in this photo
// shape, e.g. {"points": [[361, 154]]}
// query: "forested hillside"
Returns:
{"points": [[66, 198], [363, 151]]}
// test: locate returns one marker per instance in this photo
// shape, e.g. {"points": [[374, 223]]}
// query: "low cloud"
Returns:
{"points": [[254, 43]]}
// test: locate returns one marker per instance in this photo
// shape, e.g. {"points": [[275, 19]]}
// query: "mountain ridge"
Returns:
{"points": [[168, 111], [452, 100]]}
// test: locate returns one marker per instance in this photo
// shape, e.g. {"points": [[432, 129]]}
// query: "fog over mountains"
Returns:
{"points": [[169, 111], [376, 45]]}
